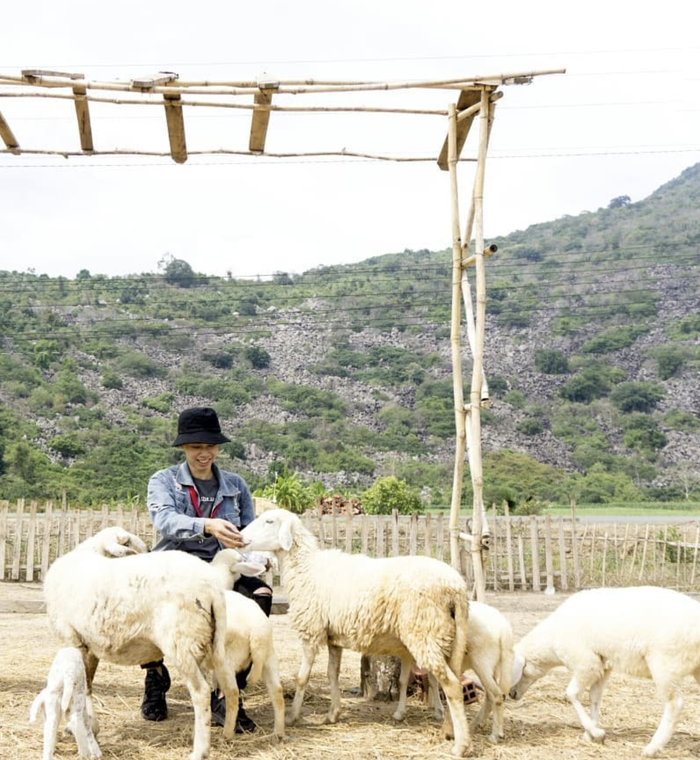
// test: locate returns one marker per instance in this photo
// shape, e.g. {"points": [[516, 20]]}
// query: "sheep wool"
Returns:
{"points": [[643, 631], [144, 607], [415, 608]]}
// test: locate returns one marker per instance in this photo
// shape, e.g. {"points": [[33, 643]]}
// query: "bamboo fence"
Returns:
{"points": [[541, 554]]}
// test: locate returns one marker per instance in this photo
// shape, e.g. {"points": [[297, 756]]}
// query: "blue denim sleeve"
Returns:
{"points": [[246, 506], [170, 510]]}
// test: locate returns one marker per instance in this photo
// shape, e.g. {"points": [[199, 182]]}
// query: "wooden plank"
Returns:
{"points": [[82, 112], [148, 83], [31, 542], [7, 136], [4, 507], [38, 73], [562, 557], [176, 128], [509, 547], [46, 539], [534, 554], [17, 546], [548, 555], [261, 118]]}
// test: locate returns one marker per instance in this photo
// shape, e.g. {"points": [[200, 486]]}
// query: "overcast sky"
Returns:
{"points": [[623, 120]]}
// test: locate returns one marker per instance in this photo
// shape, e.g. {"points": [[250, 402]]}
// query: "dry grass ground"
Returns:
{"points": [[541, 727]]}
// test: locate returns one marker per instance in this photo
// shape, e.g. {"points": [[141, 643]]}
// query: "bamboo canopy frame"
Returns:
{"points": [[469, 100]]}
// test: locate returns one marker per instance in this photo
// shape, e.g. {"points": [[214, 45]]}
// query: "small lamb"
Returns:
{"points": [[490, 655], [65, 697], [645, 632], [249, 642]]}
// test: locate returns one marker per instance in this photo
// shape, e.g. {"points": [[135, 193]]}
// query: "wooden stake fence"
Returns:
{"points": [[526, 554]]}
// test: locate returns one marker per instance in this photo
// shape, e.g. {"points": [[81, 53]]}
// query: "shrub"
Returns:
{"points": [[551, 362], [389, 494], [636, 396], [111, 380]]}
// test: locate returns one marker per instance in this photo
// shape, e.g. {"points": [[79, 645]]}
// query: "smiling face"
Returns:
{"points": [[200, 458]]}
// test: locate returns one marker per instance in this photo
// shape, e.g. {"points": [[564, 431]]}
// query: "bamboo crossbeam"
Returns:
{"points": [[291, 87], [82, 111], [7, 136], [240, 106], [176, 128], [345, 154]]}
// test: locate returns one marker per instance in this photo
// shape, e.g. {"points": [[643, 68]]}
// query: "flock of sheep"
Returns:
{"points": [[111, 599]]}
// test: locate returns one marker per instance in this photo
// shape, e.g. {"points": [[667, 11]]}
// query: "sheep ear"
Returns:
{"points": [[285, 535], [249, 568], [518, 667]]}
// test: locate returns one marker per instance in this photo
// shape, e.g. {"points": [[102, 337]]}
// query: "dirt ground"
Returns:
{"points": [[541, 727]]}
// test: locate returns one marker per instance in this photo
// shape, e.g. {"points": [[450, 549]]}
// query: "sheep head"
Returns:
{"points": [[272, 531]]}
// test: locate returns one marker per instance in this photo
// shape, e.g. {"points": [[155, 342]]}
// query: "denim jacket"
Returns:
{"points": [[173, 514]]}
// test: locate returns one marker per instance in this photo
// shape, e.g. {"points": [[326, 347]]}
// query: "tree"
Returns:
{"points": [[177, 271], [620, 202]]}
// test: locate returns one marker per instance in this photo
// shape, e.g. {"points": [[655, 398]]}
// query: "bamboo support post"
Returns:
{"points": [[82, 112], [176, 128], [457, 383], [509, 547], [7, 136], [261, 117]]}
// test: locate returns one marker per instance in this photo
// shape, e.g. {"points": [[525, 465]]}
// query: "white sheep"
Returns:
{"points": [[645, 632], [490, 655], [249, 641], [415, 608], [64, 697], [144, 607]]}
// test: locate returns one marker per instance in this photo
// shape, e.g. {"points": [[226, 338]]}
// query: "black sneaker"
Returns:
{"points": [[154, 706], [244, 724], [218, 709]]}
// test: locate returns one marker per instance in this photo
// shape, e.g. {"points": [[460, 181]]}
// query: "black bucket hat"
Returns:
{"points": [[199, 424]]}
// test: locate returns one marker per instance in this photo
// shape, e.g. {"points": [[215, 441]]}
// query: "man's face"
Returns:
{"points": [[200, 457]]}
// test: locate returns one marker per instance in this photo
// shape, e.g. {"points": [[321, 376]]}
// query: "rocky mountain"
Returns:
{"points": [[344, 373]]}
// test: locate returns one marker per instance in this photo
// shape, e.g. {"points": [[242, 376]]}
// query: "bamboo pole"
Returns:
{"points": [[474, 412], [457, 382]]}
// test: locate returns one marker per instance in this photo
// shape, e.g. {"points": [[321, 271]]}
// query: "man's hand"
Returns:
{"points": [[224, 531]]}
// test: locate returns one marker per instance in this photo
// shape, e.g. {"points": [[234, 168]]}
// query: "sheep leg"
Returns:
{"points": [[576, 687], [309, 650], [91, 662], [271, 674], [406, 663], [85, 739], [671, 694], [455, 723], [52, 717], [493, 703], [434, 699], [596, 695], [335, 656], [200, 693]]}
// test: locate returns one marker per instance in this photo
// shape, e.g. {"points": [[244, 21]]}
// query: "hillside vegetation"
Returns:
{"points": [[342, 374]]}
